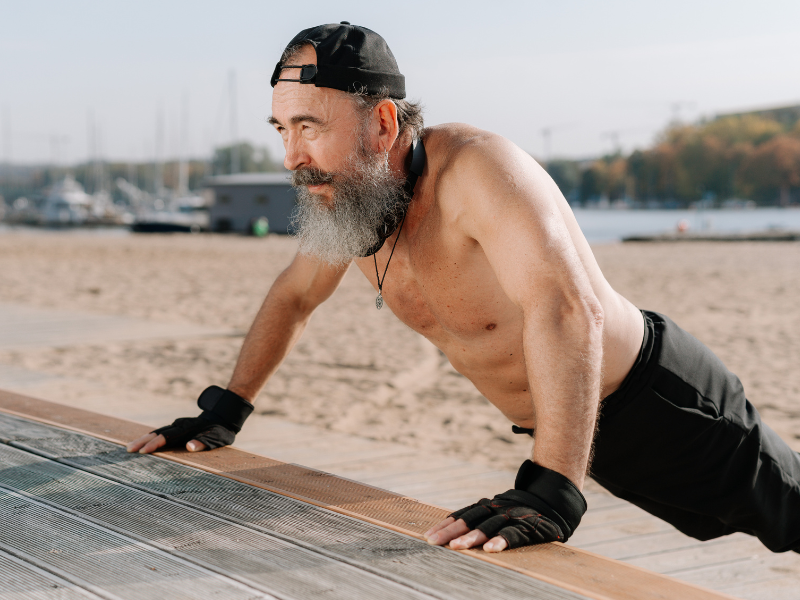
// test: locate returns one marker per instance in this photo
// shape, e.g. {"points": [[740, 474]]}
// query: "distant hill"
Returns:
{"points": [[788, 116]]}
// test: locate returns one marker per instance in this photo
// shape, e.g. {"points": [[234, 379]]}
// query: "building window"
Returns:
{"points": [[262, 199]]}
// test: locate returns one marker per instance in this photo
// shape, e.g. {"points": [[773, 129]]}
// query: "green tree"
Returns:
{"points": [[251, 159], [773, 168]]}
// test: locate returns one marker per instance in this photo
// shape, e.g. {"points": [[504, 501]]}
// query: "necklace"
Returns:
{"points": [[386, 229], [379, 299]]}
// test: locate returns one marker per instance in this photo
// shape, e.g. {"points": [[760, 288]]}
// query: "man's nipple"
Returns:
{"points": [[491, 326]]}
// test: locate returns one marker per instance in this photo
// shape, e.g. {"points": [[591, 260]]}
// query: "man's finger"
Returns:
{"points": [[137, 444], [474, 538], [496, 544], [153, 444], [438, 526], [195, 446], [451, 532]]}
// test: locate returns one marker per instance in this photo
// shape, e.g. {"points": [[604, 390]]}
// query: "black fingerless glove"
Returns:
{"points": [[224, 413], [544, 506]]}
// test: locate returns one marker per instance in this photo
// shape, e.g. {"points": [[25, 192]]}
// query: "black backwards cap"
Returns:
{"points": [[349, 58]]}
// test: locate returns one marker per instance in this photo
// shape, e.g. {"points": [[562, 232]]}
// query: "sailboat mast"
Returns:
{"points": [[234, 134]]}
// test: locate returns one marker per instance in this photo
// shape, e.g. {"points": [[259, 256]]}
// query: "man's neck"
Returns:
{"points": [[400, 154]]}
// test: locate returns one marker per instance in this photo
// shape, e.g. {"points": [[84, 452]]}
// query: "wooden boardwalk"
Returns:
{"points": [[737, 565], [79, 513]]}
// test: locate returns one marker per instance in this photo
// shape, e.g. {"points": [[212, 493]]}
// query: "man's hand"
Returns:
{"points": [[544, 506], [224, 413], [458, 534], [153, 441]]}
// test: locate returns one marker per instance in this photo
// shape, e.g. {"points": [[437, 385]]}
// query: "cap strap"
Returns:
{"points": [[308, 73]]}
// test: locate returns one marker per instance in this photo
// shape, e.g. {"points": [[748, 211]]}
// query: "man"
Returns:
{"points": [[471, 244]]}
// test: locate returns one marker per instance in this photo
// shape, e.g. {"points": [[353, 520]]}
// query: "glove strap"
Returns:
{"points": [[224, 407], [557, 497]]}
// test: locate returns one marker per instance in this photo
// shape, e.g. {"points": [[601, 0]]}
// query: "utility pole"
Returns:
{"points": [[90, 141], [234, 134], [158, 178], [614, 136], [677, 107]]}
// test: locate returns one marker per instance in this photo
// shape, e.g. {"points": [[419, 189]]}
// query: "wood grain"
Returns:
{"points": [[570, 568]]}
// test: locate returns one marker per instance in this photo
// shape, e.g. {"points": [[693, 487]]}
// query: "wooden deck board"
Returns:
{"points": [[570, 568], [738, 548]]}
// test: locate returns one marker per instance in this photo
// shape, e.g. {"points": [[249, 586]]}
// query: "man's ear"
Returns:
{"points": [[386, 113]]}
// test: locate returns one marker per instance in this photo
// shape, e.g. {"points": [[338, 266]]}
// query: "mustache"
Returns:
{"points": [[310, 176]]}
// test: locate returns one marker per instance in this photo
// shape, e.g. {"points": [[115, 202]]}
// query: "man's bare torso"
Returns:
{"points": [[441, 284]]}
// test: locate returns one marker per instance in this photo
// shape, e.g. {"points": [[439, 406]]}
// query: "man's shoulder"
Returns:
{"points": [[463, 158], [449, 141], [465, 151]]}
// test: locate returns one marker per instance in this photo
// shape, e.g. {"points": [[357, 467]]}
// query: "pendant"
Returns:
{"points": [[379, 301]]}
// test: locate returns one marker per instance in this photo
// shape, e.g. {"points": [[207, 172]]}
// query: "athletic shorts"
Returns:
{"points": [[680, 440]]}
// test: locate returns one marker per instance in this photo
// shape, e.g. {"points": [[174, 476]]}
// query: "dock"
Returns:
{"points": [[754, 236]]}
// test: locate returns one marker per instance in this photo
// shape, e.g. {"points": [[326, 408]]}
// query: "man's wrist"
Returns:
{"points": [[224, 407], [554, 494]]}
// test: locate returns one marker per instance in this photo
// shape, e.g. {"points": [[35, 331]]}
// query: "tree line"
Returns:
{"points": [[747, 156]]}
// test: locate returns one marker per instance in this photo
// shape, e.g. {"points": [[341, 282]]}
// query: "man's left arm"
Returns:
{"points": [[514, 211]]}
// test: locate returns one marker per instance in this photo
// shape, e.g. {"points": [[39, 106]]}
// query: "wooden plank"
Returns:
{"points": [[738, 548], [587, 537], [258, 559], [631, 547], [773, 589], [99, 478], [741, 571], [570, 568]]}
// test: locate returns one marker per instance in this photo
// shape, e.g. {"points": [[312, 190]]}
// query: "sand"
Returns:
{"points": [[360, 371]]}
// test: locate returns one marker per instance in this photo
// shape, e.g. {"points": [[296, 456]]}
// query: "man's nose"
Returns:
{"points": [[296, 154]]}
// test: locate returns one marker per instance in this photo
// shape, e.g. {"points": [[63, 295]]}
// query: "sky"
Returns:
{"points": [[151, 79]]}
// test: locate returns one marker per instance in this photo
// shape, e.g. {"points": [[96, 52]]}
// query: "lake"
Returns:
{"points": [[601, 226], [612, 225]]}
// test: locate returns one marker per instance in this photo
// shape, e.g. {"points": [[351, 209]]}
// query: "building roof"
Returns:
{"points": [[281, 178]]}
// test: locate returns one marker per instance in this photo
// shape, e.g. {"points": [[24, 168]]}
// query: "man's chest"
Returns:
{"points": [[445, 290]]}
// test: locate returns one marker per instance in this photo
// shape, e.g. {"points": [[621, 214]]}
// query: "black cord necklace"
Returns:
{"points": [[379, 299]]}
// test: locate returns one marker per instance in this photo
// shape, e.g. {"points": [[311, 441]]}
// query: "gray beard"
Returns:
{"points": [[365, 192]]}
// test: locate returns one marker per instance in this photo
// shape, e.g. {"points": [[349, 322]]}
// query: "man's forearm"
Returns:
{"points": [[277, 327], [565, 371]]}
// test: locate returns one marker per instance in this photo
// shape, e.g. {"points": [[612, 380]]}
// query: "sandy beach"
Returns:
{"points": [[360, 371]]}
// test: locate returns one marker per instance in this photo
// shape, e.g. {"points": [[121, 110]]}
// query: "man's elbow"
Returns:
{"points": [[583, 315]]}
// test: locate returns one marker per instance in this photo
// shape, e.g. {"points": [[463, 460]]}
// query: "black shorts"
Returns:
{"points": [[680, 440]]}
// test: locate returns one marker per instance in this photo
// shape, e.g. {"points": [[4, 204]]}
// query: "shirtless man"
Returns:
{"points": [[482, 255]]}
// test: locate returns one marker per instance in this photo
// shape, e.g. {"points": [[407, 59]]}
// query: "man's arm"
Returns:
{"points": [[280, 321], [511, 209]]}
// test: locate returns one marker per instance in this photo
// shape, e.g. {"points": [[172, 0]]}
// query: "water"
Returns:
{"points": [[612, 225], [114, 231], [601, 226]]}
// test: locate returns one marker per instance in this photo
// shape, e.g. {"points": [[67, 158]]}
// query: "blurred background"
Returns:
{"points": [[114, 113]]}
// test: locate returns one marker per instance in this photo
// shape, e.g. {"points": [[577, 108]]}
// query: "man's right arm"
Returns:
{"points": [[280, 321], [283, 316]]}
